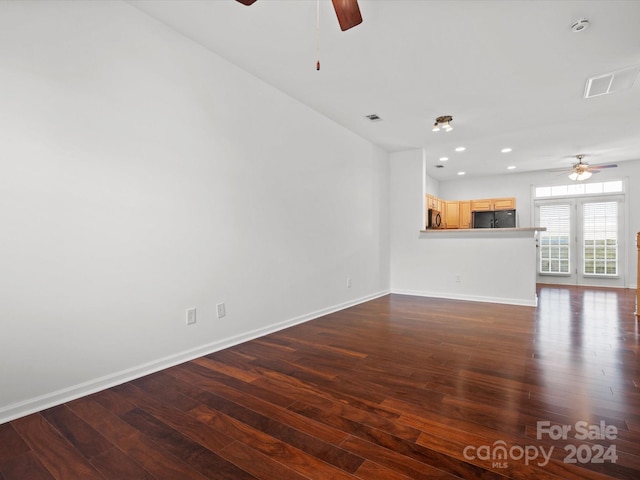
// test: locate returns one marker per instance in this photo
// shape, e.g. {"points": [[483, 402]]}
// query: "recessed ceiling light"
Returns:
{"points": [[505, 150], [511, 167], [460, 149], [461, 173], [444, 159]]}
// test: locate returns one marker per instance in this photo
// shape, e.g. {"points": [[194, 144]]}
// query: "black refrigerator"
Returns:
{"points": [[495, 219]]}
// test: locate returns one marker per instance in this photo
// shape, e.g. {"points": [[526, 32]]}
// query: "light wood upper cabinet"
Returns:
{"points": [[504, 203], [431, 201], [465, 214], [493, 204], [481, 205]]}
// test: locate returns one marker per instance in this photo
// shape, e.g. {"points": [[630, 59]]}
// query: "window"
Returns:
{"points": [[554, 242], [584, 240], [576, 189], [600, 236]]}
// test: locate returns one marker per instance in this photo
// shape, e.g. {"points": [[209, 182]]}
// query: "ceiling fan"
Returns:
{"points": [[347, 11], [582, 171]]}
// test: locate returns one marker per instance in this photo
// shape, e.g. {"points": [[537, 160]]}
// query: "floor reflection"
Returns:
{"points": [[584, 346]]}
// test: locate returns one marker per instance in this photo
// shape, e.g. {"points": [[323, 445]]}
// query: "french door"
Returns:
{"points": [[584, 241]]}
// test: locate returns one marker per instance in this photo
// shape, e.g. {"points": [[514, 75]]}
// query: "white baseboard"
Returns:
{"points": [[36, 404], [526, 302]]}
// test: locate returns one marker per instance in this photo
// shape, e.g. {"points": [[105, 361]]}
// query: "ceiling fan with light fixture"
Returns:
{"points": [[582, 171], [347, 11]]}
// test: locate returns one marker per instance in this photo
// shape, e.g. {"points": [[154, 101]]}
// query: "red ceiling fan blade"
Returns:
{"points": [[348, 13]]}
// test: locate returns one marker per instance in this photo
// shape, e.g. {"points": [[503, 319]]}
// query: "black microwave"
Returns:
{"points": [[434, 219]]}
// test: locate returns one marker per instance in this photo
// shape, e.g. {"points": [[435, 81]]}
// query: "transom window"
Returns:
{"points": [[576, 189]]}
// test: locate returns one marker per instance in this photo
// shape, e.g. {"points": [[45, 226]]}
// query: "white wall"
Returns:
{"points": [[142, 175], [519, 185]]}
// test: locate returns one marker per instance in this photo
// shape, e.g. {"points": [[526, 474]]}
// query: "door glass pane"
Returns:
{"points": [[600, 233], [554, 242]]}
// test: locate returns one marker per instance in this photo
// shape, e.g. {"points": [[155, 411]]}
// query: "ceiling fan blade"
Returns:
{"points": [[246, 2], [598, 167], [348, 13]]}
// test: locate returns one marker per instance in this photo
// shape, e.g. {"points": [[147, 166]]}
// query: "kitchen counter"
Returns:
{"points": [[490, 231]]}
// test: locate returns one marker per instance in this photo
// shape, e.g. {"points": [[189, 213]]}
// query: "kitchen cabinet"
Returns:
{"points": [[459, 213], [481, 205], [489, 204], [451, 214], [465, 214], [434, 203], [504, 203]]}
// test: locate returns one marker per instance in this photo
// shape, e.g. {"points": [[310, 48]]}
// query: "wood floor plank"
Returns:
{"points": [[114, 464], [395, 461], [239, 373], [11, 444], [23, 467], [155, 385], [77, 432], [370, 469], [58, 456], [284, 453], [257, 463], [284, 416], [309, 444], [175, 418], [152, 457], [204, 375], [298, 390], [336, 413], [195, 455]]}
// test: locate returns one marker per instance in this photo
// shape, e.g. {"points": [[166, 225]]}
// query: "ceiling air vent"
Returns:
{"points": [[611, 82], [373, 117]]}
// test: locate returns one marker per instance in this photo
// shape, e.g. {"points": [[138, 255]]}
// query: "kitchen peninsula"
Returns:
{"points": [[489, 265], [495, 265]]}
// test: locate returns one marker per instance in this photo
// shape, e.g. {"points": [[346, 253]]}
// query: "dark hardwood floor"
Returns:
{"points": [[400, 387]]}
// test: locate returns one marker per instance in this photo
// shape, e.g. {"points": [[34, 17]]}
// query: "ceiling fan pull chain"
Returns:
{"points": [[318, 34]]}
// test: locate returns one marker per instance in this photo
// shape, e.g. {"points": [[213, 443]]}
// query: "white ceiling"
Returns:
{"points": [[511, 73]]}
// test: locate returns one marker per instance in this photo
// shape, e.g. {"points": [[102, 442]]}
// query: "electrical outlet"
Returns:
{"points": [[348, 282], [220, 310], [191, 316], [458, 279]]}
